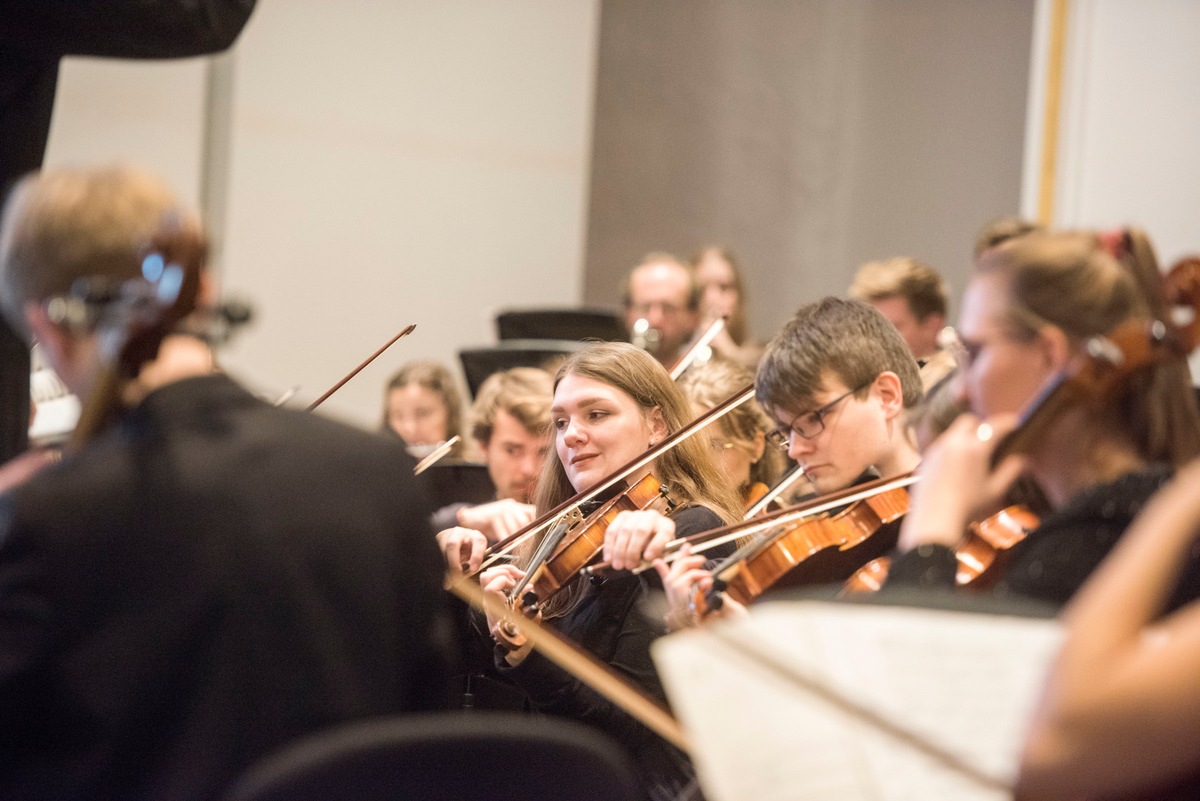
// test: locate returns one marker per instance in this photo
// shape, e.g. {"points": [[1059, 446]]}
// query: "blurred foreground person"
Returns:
{"points": [[207, 577]]}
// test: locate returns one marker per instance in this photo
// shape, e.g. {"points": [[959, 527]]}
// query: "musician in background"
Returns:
{"points": [[510, 421], [723, 295], [1028, 315], [662, 307], [612, 402], [740, 437], [423, 407], [208, 578], [911, 295], [838, 382]]}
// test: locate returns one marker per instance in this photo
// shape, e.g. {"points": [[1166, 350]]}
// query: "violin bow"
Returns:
{"points": [[707, 540], [580, 664], [436, 455], [359, 369], [694, 351], [506, 545], [784, 484]]}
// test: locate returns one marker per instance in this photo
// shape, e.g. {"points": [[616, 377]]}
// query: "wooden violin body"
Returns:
{"points": [[585, 539], [980, 556], [818, 550]]}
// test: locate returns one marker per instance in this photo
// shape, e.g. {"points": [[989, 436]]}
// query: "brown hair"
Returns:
{"points": [[736, 324], [436, 378], [708, 385], [919, 284], [65, 224], [846, 337], [1001, 230], [523, 392], [1068, 280], [689, 469]]}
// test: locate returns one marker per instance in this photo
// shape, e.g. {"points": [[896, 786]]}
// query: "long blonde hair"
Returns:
{"points": [[689, 469], [1086, 286]]}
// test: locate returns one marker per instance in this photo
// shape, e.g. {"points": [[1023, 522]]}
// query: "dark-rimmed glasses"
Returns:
{"points": [[809, 424]]}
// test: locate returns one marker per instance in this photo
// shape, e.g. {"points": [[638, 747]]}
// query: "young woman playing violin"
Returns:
{"points": [[1027, 316], [612, 402]]}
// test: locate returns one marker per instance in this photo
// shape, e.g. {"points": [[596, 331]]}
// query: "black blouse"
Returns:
{"points": [[1058, 556], [608, 623]]}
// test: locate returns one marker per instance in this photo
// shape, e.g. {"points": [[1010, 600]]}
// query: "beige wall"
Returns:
{"points": [[389, 163], [808, 136], [392, 162]]}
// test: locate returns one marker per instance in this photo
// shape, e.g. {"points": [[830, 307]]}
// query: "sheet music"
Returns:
{"points": [[966, 684]]}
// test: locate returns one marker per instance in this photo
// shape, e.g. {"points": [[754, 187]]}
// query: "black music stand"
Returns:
{"points": [[575, 324], [479, 363]]}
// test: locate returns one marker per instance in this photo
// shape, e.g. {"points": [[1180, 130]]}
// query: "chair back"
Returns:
{"points": [[473, 756]]}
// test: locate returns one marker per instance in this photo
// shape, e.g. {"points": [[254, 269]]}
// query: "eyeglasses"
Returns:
{"points": [[809, 424]]}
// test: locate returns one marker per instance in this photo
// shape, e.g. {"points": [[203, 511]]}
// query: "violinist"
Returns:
{"points": [[612, 402], [510, 422], [208, 577], [1027, 313], [740, 437], [838, 381]]}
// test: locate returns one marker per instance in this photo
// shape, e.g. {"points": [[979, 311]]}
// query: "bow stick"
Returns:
{"points": [[359, 369]]}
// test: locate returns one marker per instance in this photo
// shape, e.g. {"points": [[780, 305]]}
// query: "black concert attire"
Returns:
{"points": [[204, 582], [1055, 559], [609, 624]]}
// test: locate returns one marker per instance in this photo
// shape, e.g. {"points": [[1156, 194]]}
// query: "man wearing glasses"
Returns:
{"points": [[838, 381], [662, 307]]}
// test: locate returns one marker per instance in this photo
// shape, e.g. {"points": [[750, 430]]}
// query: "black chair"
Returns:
{"points": [[479, 363], [573, 324], [449, 757]]}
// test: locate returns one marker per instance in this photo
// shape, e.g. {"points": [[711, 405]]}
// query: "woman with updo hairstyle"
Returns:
{"points": [[1027, 315], [423, 407], [723, 294], [740, 437], [612, 402]]}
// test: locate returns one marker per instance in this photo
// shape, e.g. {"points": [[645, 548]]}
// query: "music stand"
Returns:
{"points": [[479, 363], [574, 324]]}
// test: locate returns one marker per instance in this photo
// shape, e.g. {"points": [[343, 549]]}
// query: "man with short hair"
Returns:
{"points": [[510, 420], [839, 382], [911, 295], [208, 577], [662, 306]]}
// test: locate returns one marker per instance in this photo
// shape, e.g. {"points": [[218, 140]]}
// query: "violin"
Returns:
{"points": [[753, 494], [980, 556], [816, 550], [555, 517], [1106, 364], [583, 539]]}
